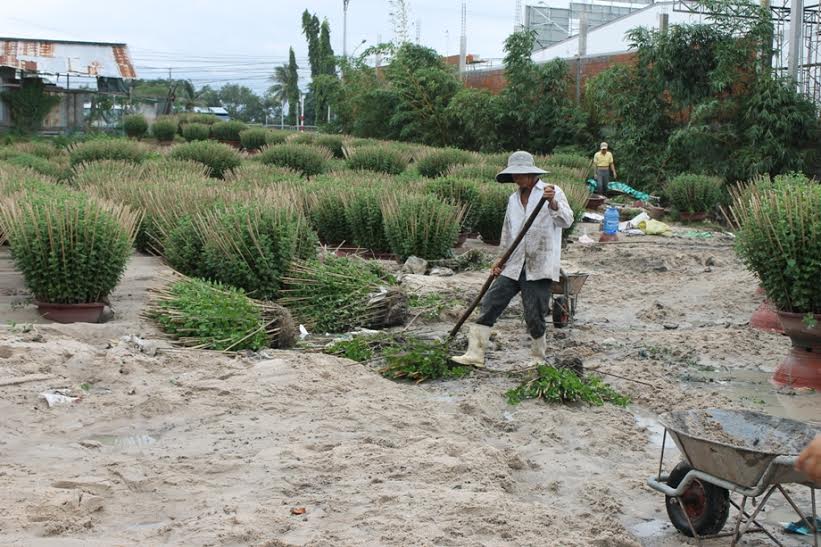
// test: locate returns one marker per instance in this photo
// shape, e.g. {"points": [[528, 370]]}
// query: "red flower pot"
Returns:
{"points": [[595, 201], [71, 313], [802, 366], [766, 318]]}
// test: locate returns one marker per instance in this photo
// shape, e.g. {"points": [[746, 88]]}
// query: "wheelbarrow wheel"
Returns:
{"points": [[561, 312], [706, 505]]}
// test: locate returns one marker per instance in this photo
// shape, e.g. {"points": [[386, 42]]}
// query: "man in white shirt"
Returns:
{"points": [[534, 265]]}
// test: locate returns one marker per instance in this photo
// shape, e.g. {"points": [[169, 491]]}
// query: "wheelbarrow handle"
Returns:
{"points": [[501, 263]]}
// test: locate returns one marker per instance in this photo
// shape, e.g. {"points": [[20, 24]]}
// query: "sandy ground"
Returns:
{"points": [[197, 448]]}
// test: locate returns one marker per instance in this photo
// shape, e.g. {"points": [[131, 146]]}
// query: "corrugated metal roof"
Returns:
{"points": [[63, 57]]}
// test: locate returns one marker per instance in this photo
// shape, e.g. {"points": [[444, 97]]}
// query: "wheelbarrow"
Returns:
{"points": [[743, 452], [565, 295]]}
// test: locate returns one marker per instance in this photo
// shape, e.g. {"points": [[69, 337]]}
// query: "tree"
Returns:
{"points": [[29, 105], [242, 103], [327, 61], [188, 95], [473, 115], [282, 83], [311, 29], [424, 87], [293, 88]]}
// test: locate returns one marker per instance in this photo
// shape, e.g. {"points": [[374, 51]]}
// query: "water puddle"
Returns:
{"points": [[655, 431], [126, 441], [651, 528]]}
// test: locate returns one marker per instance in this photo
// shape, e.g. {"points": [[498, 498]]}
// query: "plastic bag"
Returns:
{"points": [[655, 228]]}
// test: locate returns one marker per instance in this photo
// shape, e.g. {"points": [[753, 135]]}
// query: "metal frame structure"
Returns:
{"points": [[553, 24], [808, 56]]}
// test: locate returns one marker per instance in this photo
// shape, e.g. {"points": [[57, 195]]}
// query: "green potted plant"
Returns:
{"points": [[463, 194], [490, 219], [228, 132], [72, 249], [165, 129], [779, 238], [420, 225], [693, 196], [135, 126]]}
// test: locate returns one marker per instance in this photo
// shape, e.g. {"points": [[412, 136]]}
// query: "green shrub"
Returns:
{"points": [[381, 159], [70, 248], [577, 194], [326, 208], [205, 119], [462, 193], [490, 218], [213, 316], [363, 210], [41, 165], [228, 131], [40, 149], [195, 132], [135, 126], [421, 225], [257, 175], [308, 160], [334, 143], [275, 136], [165, 129], [253, 138], [107, 149], [481, 172], [420, 360], [438, 163], [694, 193], [563, 385], [302, 137], [779, 238], [571, 161], [247, 246], [339, 294], [221, 158]]}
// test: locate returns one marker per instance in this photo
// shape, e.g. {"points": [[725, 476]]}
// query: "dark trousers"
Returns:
{"points": [[603, 178], [535, 298]]}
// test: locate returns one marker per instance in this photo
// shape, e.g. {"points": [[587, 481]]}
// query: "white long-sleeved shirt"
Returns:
{"points": [[540, 251]]}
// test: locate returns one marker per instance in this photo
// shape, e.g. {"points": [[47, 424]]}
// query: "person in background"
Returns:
{"points": [[810, 460], [603, 160]]}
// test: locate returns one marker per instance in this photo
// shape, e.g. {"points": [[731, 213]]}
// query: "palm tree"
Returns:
{"points": [[282, 82], [189, 96]]}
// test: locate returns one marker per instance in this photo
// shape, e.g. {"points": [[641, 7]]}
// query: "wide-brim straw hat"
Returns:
{"points": [[519, 163]]}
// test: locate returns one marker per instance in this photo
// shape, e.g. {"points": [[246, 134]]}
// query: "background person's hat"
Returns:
{"points": [[519, 163], [603, 146]]}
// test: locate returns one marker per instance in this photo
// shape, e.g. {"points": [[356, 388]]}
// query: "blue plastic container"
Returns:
{"points": [[611, 221]]}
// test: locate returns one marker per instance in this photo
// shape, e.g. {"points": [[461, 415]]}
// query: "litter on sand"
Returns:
{"points": [[55, 397], [801, 527]]}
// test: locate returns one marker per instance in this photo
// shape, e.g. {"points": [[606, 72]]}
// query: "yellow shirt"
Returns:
{"points": [[603, 161]]}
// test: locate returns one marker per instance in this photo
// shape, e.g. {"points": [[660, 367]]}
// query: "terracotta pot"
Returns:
{"points": [[692, 217], [71, 313], [766, 318], [802, 366], [604, 238], [595, 201], [656, 213]]}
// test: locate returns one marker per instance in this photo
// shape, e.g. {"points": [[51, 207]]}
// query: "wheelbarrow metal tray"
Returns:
{"points": [[574, 281], [736, 445]]}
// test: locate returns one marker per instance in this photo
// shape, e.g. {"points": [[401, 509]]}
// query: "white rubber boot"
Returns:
{"points": [[478, 338], [538, 349]]}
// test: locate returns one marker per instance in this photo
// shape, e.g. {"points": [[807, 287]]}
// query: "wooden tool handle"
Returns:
{"points": [[502, 261]]}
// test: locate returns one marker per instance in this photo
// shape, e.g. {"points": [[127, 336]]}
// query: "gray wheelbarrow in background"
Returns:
{"points": [[748, 453]]}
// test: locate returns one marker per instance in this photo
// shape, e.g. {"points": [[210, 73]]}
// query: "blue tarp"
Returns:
{"points": [[620, 187]]}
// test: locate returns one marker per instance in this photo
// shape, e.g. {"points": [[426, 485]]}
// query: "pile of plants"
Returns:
{"points": [[274, 136], [779, 238], [564, 385], [335, 294], [420, 360], [228, 131], [196, 132], [70, 248], [253, 138], [220, 158], [164, 129], [206, 315], [490, 217], [107, 149], [306, 159], [135, 126], [421, 225], [379, 158], [690, 193], [258, 175], [438, 163]]}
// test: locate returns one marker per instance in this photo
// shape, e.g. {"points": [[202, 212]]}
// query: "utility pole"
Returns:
{"points": [[796, 24], [418, 31], [463, 42], [345, 28], [301, 112], [282, 116], [517, 20]]}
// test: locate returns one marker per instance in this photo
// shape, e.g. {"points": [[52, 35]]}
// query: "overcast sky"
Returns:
{"points": [[215, 41]]}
